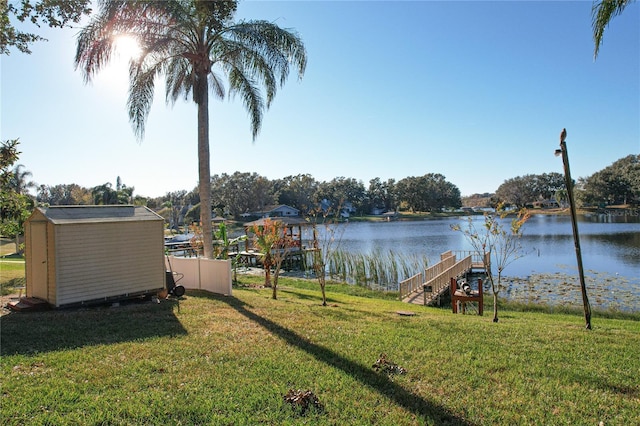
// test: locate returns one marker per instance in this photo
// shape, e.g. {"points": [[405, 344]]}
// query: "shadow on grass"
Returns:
{"points": [[367, 376], [27, 333], [567, 310], [306, 296]]}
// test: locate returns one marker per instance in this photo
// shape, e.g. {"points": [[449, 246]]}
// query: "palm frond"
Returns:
{"points": [[179, 79], [602, 13], [217, 85], [141, 91], [249, 62], [268, 53], [239, 83], [94, 49]]}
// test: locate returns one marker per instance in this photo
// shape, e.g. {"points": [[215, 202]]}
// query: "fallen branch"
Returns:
{"points": [[386, 366], [303, 400]]}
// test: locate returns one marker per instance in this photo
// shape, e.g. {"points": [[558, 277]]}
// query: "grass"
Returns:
{"points": [[11, 268], [218, 360], [7, 247], [11, 275]]}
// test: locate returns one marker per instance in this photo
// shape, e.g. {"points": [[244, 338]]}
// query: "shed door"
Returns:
{"points": [[39, 260]]}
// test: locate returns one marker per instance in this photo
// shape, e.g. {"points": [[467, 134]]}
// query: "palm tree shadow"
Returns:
{"points": [[367, 376]]}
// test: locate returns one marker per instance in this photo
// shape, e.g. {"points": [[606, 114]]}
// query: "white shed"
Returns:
{"points": [[86, 254]]}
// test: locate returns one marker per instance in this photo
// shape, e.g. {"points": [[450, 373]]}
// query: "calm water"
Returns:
{"points": [[610, 248]]}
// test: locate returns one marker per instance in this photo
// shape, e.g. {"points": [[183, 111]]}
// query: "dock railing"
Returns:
{"points": [[436, 278], [446, 254], [476, 258], [410, 285]]}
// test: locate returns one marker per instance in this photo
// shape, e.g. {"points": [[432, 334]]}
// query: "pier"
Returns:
{"points": [[426, 288]]}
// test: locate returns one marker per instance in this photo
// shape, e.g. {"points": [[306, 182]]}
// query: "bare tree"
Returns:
{"points": [[325, 243], [498, 246]]}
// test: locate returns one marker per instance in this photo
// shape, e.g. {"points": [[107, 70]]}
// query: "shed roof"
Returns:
{"points": [[98, 214]]}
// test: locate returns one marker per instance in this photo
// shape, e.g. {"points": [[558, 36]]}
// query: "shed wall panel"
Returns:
{"points": [[27, 258], [51, 264], [102, 260]]}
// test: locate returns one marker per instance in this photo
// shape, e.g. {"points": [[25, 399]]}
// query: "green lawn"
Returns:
{"points": [[11, 267], [11, 275], [230, 360]]}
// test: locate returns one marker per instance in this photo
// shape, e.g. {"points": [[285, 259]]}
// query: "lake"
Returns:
{"points": [[610, 246]]}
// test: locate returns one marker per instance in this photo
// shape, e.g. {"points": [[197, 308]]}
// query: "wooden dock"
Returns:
{"points": [[427, 287]]}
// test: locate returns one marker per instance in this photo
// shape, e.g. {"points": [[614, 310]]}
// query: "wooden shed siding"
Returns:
{"points": [[40, 218], [37, 216], [27, 255], [51, 264], [99, 260]]}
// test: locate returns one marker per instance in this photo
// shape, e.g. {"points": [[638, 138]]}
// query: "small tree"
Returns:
{"points": [[274, 244], [324, 246], [223, 242], [280, 252], [498, 246]]}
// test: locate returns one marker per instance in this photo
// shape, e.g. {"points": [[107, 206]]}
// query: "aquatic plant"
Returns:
{"points": [[377, 270]]}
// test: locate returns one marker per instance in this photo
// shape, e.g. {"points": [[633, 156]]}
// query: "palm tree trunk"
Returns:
{"points": [[204, 170]]}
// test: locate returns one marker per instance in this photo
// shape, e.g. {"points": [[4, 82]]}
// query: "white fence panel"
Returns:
{"points": [[203, 274], [215, 276], [190, 268]]}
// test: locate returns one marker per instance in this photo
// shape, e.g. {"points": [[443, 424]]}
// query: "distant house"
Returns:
{"points": [[85, 254], [281, 210], [346, 209]]}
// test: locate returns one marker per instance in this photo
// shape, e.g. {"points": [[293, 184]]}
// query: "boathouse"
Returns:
{"points": [[86, 254]]}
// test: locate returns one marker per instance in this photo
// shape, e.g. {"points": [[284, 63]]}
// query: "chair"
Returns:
{"points": [[459, 295]]}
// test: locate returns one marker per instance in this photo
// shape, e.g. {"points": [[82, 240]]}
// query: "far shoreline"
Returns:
{"points": [[408, 216]]}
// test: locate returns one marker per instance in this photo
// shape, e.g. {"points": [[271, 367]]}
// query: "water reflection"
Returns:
{"points": [[547, 242], [610, 245]]}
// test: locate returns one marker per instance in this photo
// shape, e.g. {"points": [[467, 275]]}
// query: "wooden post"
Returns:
{"points": [[574, 225]]}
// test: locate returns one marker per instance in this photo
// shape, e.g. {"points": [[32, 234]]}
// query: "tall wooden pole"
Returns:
{"points": [[574, 225]]}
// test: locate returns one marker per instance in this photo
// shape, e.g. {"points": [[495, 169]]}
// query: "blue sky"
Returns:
{"points": [[477, 91]]}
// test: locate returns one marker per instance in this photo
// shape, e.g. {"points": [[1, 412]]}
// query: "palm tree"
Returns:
{"points": [[193, 44], [104, 195], [601, 14], [19, 180], [124, 193]]}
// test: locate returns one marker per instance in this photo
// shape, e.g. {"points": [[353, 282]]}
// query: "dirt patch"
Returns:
{"points": [[5, 299]]}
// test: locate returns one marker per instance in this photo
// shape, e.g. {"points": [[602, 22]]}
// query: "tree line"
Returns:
{"points": [[236, 194], [616, 184]]}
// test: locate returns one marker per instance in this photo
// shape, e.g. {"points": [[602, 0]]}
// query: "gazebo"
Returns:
{"points": [[293, 227]]}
